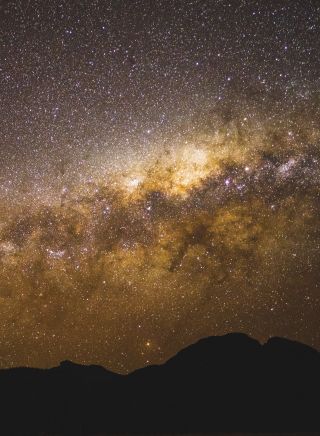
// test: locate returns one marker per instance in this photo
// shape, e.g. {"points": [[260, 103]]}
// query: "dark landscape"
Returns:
{"points": [[229, 383]]}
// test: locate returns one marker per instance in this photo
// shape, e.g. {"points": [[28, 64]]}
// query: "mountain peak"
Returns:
{"points": [[270, 387]]}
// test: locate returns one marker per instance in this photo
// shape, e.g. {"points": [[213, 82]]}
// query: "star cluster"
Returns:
{"points": [[159, 177]]}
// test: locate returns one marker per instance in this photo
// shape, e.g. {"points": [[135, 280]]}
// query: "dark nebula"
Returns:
{"points": [[159, 177]]}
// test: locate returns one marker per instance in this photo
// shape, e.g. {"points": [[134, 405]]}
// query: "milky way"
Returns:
{"points": [[160, 175]]}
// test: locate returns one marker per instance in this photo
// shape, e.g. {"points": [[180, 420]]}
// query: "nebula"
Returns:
{"points": [[159, 177], [218, 232]]}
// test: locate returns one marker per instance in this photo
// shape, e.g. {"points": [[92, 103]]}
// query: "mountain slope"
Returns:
{"points": [[227, 383]]}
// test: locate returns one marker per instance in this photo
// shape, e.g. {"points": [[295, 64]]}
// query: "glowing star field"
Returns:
{"points": [[159, 178]]}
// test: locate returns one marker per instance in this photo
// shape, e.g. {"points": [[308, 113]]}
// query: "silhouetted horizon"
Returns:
{"points": [[66, 362], [220, 383]]}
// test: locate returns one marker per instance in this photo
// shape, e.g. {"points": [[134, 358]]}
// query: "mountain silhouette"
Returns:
{"points": [[224, 383]]}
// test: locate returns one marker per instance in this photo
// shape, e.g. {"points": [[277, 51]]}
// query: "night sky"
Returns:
{"points": [[159, 176]]}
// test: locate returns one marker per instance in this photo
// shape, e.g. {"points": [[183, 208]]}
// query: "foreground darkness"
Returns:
{"points": [[229, 383]]}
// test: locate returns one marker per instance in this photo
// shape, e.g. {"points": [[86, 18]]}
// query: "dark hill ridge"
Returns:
{"points": [[226, 383]]}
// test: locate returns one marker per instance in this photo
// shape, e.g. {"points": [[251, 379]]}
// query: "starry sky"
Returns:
{"points": [[159, 176]]}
